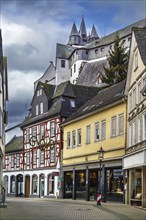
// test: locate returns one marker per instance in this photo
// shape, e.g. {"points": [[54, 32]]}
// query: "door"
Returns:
{"points": [[27, 186]]}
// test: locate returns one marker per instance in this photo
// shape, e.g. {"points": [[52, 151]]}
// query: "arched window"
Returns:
{"points": [[13, 185], [50, 184]]}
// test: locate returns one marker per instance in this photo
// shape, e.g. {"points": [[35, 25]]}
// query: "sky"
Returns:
{"points": [[31, 29]]}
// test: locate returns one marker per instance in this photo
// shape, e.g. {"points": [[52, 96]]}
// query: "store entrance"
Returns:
{"points": [[114, 185]]}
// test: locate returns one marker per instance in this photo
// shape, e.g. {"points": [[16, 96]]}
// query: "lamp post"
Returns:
{"points": [[100, 157]]}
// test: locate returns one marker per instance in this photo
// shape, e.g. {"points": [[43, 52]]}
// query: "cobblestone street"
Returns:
{"points": [[53, 209]]}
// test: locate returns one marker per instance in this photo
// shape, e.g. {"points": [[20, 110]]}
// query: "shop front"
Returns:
{"points": [[85, 184]]}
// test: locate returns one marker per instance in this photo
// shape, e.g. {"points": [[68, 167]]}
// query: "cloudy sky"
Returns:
{"points": [[31, 29]]}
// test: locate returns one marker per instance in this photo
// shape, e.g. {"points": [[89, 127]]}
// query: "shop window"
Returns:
{"points": [[114, 184], [136, 186], [34, 184], [80, 184], [68, 184]]}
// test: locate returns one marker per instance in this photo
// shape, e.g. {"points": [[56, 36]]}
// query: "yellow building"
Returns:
{"points": [[100, 122], [134, 161]]}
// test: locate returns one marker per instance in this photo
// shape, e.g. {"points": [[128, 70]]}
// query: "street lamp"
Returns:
{"points": [[100, 157]]}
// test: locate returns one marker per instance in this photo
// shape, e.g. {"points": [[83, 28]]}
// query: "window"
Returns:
{"points": [[40, 91], [103, 130], [42, 156], [52, 129], [139, 92], [34, 156], [34, 184], [42, 131], [73, 139], [68, 139], [136, 59], [17, 160], [134, 98], [139, 129], [37, 109], [88, 134], [144, 127], [130, 135], [28, 158], [79, 137], [71, 72], [113, 126], [12, 161], [134, 133], [41, 108], [63, 63], [27, 135], [97, 131], [1, 124], [74, 68], [34, 132], [121, 124], [72, 103], [130, 101], [52, 154], [50, 184]]}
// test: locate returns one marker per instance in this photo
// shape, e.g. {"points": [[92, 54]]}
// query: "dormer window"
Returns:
{"points": [[72, 103], [63, 63]]}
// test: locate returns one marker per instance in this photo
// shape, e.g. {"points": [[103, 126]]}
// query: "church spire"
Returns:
{"points": [[82, 31]]}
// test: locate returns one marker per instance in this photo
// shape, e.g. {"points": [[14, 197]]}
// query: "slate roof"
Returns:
{"points": [[48, 89], [60, 101], [104, 98], [90, 72], [74, 30], [122, 33], [64, 51], [140, 36], [15, 144]]}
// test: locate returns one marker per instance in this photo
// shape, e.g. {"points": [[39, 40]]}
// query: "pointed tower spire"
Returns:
{"points": [[82, 31], [74, 30], [74, 38], [94, 35]]}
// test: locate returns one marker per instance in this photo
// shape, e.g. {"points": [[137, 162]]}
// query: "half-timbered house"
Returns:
{"points": [[43, 138]]}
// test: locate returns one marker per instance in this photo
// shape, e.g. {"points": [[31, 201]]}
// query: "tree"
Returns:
{"points": [[116, 70]]}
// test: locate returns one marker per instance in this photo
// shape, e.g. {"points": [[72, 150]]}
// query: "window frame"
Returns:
{"points": [[88, 134]]}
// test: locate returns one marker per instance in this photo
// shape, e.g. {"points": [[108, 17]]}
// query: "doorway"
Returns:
{"points": [[42, 185], [27, 186]]}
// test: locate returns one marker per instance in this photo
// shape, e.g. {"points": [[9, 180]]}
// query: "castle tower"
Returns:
{"points": [[83, 32], [94, 35], [74, 38]]}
